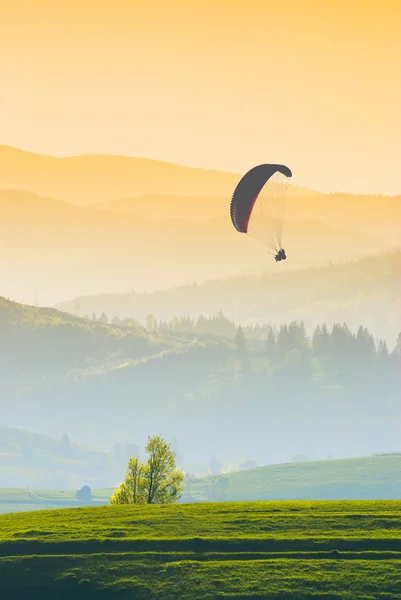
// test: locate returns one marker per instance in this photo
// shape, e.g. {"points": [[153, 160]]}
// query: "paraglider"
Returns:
{"points": [[281, 255], [258, 205]]}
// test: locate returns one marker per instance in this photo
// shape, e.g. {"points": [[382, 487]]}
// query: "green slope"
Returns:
{"points": [[280, 550], [378, 477]]}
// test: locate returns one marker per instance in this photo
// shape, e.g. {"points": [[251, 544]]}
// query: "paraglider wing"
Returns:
{"points": [[247, 191]]}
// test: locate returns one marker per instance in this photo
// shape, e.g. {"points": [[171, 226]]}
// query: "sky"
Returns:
{"points": [[222, 84]]}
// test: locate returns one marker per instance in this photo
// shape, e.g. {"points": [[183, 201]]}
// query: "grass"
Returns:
{"points": [[279, 550]]}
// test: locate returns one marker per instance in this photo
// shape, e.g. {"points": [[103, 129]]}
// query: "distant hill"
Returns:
{"points": [[56, 343], [193, 207], [87, 179], [51, 248], [368, 478], [366, 291], [98, 178], [379, 216], [30, 459], [158, 189]]}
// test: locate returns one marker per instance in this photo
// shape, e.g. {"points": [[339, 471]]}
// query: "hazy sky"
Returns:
{"points": [[222, 83]]}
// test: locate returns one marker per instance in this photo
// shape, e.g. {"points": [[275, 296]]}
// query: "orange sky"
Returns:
{"points": [[222, 83]]}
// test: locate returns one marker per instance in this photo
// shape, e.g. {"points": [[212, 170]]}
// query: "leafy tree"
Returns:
{"points": [[163, 482], [122, 494], [156, 482], [132, 489]]}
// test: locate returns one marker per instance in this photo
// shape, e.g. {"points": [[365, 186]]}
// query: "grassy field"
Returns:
{"points": [[279, 550]]}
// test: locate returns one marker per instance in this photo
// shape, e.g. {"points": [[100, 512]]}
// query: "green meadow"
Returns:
{"points": [[278, 550]]}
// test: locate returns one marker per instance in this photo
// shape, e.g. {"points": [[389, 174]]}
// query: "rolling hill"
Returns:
{"points": [[367, 478], [97, 179], [88, 179], [362, 292], [277, 550], [56, 250], [378, 216]]}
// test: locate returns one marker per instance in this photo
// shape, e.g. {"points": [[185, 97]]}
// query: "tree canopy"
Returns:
{"points": [[158, 481]]}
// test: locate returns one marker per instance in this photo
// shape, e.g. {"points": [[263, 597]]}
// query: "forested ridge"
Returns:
{"points": [[255, 390], [361, 292]]}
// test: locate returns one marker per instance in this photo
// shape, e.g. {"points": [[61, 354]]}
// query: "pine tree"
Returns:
{"points": [[270, 346], [240, 340]]}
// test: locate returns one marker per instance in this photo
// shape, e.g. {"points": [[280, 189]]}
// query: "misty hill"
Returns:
{"points": [[362, 292], [87, 179], [30, 459], [192, 207], [379, 216], [58, 251], [55, 343], [99, 178], [152, 188], [275, 394]]}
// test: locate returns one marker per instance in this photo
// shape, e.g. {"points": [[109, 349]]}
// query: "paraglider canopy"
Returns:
{"points": [[258, 203]]}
